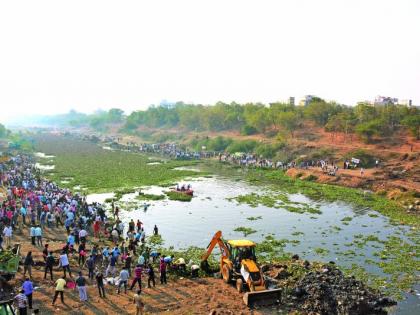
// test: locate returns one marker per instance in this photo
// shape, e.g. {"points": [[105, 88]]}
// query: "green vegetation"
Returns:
{"points": [[142, 196], [245, 230], [276, 200], [104, 170], [254, 218], [176, 195]]}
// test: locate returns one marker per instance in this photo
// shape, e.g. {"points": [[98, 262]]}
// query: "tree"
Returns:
{"points": [[369, 129], [3, 131], [289, 121], [321, 111], [413, 124], [115, 115]]}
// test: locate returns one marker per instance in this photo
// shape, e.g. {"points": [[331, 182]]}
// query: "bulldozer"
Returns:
{"points": [[238, 265]]}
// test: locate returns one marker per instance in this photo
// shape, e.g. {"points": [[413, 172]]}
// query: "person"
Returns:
{"points": [[49, 263], [81, 286], [194, 270], [151, 274], [59, 289], [28, 289], [111, 267], [82, 235], [38, 234], [141, 260], [105, 256], [100, 284], [45, 252], [82, 253], [180, 264], [32, 235], [155, 230], [64, 263], [90, 263], [127, 263], [124, 276], [137, 277], [139, 303], [1, 242], [27, 264], [8, 233], [362, 171], [162, 269], [21, 302], [139, 224]]}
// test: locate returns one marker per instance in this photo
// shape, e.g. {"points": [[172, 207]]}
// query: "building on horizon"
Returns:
{"points": [[385, 100], [306, 100]]}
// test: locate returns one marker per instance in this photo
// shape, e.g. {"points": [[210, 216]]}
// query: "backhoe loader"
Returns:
{"points": [[238, 265]]}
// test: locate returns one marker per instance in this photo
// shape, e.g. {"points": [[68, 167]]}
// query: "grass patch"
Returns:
{"points": [[254, 218], [143, 196], [175, 195]]}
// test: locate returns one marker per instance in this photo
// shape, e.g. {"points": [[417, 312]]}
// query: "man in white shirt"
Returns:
{"points": [[82, 235], [64, 262], [8, 232]]}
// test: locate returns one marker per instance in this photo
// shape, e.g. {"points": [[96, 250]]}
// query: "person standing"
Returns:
{"points": [[111, 267], [27, 264], [59, 289], [90, 263], [155, 230], [28, 289], [100, 284], [151, 274], [137, 277], [124, 276], [162, 269], [49, 263], [139, 303], [64, 263], [21, 302], [38, 234], [81, 286], [8, 233], [32, 235]]}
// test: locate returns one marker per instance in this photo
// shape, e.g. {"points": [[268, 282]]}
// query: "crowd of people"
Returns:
{"points": [[34, 205]]}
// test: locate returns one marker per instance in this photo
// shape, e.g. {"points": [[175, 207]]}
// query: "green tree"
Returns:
{"points": [[289, 121], [3, 131], [413, 124], [369, 129]]}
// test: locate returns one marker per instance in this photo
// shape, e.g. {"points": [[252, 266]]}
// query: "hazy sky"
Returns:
{"points": [[58, 55]]}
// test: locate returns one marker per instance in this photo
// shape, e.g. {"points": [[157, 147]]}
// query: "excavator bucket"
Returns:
{"points": [[262, 298]]}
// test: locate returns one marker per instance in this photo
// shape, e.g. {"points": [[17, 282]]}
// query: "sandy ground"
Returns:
{"points": [[180, 296]]}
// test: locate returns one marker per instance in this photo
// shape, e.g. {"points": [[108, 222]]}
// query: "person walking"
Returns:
{"points": [[27, 264], [162, 269], [49, 263], [21, 302], [137, 277], [124, 276], [139, 303], [81, 286], [100, 284], [28, 289], [64, 263], [38, 234], [151, 274], [59, 289]]}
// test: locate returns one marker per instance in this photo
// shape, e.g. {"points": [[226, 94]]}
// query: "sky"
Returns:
{"points": [[84, 55]]}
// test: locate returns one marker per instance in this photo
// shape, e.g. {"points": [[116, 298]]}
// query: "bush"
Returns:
{"points": [[311, 178], [268, 150], [247, 130], [242, 146], [366, 159]]}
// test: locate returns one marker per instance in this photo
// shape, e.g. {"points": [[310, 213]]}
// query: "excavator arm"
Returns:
{"points": [[216, 240]]}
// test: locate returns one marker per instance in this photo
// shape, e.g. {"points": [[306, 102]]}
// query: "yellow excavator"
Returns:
{"points": [[238, 265]]}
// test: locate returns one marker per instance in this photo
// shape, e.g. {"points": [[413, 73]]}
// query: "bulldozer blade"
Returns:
{"points": [[262, 298]]}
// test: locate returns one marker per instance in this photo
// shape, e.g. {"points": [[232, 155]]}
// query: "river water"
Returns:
{"points": [[184, 224]]}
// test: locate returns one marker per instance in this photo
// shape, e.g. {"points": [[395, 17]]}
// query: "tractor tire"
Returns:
{"points": [[226, 274], [239, 285]]}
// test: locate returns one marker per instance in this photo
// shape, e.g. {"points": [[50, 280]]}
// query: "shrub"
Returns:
{"points": [[242, 146], [247, 130]]}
